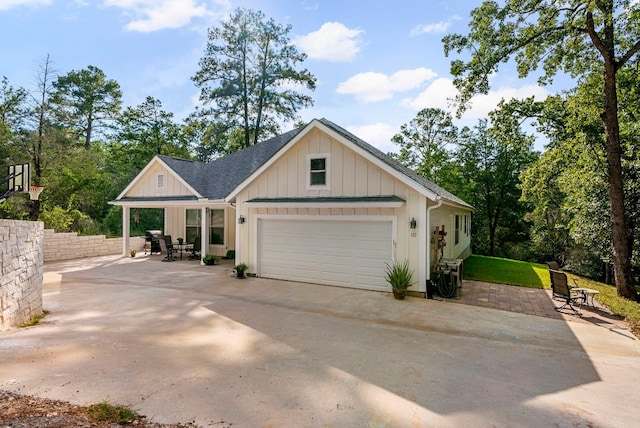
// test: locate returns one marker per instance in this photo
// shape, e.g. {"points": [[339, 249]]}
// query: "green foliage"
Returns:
{"points": [[105, 412], [240, 267], [424, 143], [210, 259], [580, 38], [247, 73], [85, 101], [399, 275], [68, 220], [231, 254], [35, 320], [491, 160], [506, 271]]}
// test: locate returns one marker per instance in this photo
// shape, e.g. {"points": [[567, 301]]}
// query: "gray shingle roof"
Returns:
{"points": [[215, 180]]}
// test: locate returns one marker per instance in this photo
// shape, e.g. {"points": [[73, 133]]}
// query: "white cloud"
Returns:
{"points": [[438, 27], [436, 95], [482, 104], [441, 92], [154, 15], [9, 4], [377, 134], [332, 42], [371, 87]]}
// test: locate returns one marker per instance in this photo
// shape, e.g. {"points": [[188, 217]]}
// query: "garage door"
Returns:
{"points": [[342, 253]]}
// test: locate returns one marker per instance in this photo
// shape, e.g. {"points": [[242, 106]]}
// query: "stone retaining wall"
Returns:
{"points": [[65, 246], [21, 261]]}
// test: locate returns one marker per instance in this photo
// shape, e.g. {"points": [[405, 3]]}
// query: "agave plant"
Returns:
{"points": [[399, 275]]}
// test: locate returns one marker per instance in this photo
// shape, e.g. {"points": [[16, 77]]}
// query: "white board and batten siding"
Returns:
{"points": [[158, 182], [330, 251]]}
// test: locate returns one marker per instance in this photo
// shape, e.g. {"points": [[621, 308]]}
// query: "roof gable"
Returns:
{"points": [[172, 166], [224, 178]]}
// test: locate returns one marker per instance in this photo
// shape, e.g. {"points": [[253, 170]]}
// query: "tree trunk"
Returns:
{"points": [[620, 228]]}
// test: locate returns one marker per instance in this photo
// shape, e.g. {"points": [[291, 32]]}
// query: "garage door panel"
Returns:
{"points": [[343, 253]]}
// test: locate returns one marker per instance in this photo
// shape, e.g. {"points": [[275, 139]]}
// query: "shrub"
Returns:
{"points": [[399, 275]]}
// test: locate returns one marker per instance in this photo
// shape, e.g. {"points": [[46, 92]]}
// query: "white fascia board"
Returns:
{"points": [[169, 204], [156, 159], [337, 204], [380, 164], [456, 205]]}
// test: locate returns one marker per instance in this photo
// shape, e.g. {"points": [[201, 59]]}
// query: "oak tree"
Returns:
{"points": [[573, 36]]}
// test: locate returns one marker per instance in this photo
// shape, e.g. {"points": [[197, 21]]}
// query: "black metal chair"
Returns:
{"points": [[194, 249], [562, 288], [167, 247]]}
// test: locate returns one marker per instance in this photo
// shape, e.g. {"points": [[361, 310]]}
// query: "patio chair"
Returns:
{"points": [[562, 288], [195, 249], [166, 247], [553, 266]]}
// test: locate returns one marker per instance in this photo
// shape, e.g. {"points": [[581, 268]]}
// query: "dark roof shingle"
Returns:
{"points": [[215, 180]]}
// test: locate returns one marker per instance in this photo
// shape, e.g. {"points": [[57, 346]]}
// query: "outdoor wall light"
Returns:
{"points": [[413, 224], [241, 219]]}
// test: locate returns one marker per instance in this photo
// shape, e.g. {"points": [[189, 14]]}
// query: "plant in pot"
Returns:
{"points": [[132, 252], [400, 276], [240, 269], [209, 259]]}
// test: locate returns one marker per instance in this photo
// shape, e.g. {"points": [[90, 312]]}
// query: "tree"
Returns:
{"points": [[13, 110], [142, 132], [424, 142], [85, 101], [248, 75], [575, 36], [492, 160]]}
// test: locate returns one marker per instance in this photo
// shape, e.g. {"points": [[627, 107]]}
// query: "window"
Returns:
{"points": [[216, 227], [318, 172], [457, 234], [160, 181], [193, 225]]}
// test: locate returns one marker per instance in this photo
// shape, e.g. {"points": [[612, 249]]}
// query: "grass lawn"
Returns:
{"points": [[506, 271], [533, 275]]}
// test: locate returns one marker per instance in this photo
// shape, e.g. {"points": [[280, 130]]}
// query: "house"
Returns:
{"points": [[315, 204]]}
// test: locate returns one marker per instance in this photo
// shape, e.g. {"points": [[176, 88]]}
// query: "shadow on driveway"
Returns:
{"points": [[181, 342]]}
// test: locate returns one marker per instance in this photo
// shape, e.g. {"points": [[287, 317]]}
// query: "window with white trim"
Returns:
{"points": [[160, 181], [192, 225], [318, 171], [216, 227]]}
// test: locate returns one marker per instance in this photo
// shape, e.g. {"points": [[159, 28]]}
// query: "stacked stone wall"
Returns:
{"points": [[65, 246], [21, 269]]}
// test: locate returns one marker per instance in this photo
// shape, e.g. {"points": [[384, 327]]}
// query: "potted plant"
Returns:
{"points": [[180, 241], [240, 269], [400, 276], [209, 259], [132, 252]]}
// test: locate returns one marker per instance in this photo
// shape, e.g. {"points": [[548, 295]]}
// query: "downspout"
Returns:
{"points": [[429, 257]]}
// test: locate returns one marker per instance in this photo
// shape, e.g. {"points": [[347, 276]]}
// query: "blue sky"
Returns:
{"points": [[377, 62]]}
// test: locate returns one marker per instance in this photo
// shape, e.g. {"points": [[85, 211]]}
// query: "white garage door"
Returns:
{"points": [[342, 253]]}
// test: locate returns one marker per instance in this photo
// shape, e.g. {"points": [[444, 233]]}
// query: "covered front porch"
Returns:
{"points": [[214, 222]]}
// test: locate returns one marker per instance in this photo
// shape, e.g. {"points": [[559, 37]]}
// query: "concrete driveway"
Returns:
{"points": [[182, 342]]}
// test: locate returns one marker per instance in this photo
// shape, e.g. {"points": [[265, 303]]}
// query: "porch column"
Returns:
{"points": [[126, 213], [423, 243], [204, 239]]}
